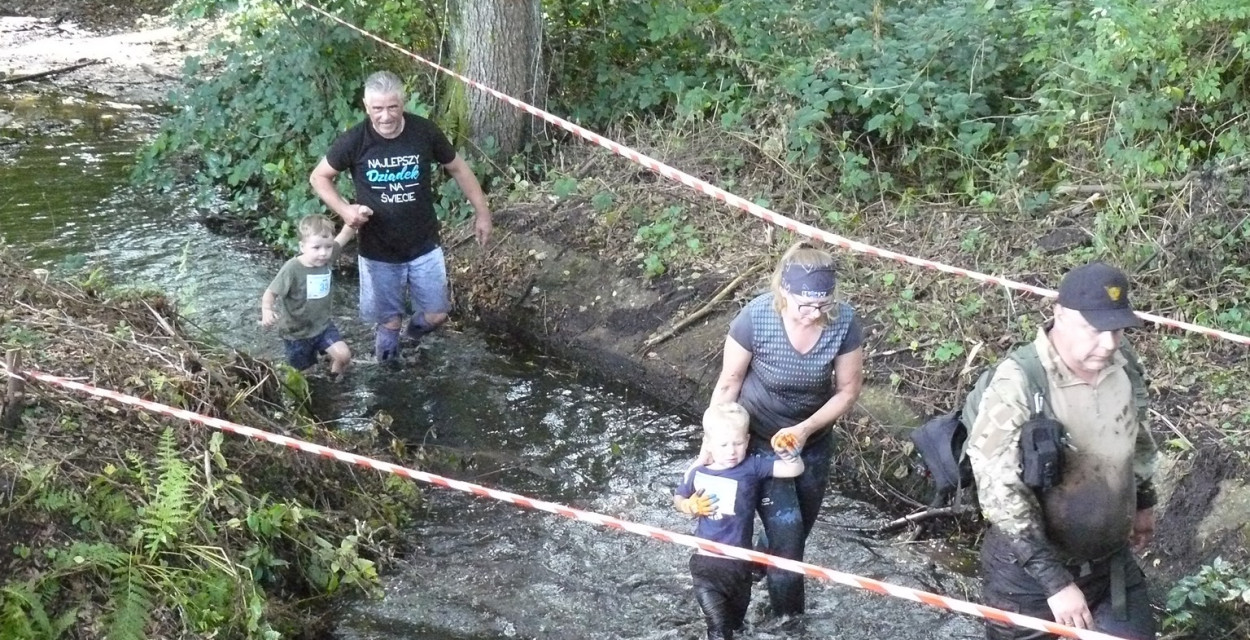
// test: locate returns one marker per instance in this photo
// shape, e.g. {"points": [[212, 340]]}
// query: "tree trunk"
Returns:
{"points": [[497, 43]]}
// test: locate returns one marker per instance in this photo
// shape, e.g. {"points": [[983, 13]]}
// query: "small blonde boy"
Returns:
{"points": [[723, 495], [301, 292]]}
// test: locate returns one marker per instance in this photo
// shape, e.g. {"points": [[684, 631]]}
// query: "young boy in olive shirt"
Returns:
{"points": [[301, 291]]}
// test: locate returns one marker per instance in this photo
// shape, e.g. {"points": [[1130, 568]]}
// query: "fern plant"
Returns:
{"points": [[22, 615], [81, 556], [132, 601], [169, 508], [145, 550]]}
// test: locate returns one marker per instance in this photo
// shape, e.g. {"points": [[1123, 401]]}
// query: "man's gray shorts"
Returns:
{"points": [[383, 286]]}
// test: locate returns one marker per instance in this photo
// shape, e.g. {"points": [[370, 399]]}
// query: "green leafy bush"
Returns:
{"points": [[261, 107], [1211, 603], [662, 239], [969, 98], [158, 540]]}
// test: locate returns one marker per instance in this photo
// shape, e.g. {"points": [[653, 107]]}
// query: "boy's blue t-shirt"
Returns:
{"points": [[737, 491]]}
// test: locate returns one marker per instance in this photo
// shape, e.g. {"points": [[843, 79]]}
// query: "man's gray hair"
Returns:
{"points": [[385, 83]]}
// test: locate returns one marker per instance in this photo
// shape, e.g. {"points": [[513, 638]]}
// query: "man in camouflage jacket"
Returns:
{"points": [[1064, 554]]}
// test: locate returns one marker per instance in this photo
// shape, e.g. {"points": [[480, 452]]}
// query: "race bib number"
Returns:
{"points": [[318, 286], [724, 489]]}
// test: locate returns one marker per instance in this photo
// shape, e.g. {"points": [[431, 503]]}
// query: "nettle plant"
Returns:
{"points": [[981, 100], [1215, 598], [666, 238]]}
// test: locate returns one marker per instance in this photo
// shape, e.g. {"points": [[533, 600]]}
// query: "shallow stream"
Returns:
{"points": [[503, 417]]}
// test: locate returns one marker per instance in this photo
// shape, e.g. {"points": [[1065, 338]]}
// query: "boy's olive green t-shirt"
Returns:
{"points": [[302, 295]]}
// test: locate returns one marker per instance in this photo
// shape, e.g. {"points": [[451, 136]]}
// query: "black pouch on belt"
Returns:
{"points": [[1041, 453]]}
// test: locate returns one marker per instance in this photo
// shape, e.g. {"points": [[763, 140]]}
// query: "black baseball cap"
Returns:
{"points": [[1100, 292]]}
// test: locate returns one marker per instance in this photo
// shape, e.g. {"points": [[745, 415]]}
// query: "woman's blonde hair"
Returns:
{"points": [[807, 255]]}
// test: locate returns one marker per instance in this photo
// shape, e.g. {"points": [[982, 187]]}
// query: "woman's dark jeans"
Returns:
{"points": [[788, 509]]}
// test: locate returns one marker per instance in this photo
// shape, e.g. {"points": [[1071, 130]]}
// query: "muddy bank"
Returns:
{"points": [[100, 16], [123, 523], [79, 82], [541, 288], [554, 282]]}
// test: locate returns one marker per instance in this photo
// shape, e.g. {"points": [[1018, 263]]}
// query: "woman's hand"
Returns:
{"points": [[788, 442], [705, 457]]}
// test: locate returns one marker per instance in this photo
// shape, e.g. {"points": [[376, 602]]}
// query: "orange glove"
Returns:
{"points": [[698, 505], [785, 444]]}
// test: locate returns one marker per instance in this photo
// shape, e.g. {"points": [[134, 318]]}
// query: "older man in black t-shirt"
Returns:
{"points": [[389, 157]]}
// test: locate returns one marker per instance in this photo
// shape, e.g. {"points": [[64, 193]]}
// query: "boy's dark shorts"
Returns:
{"points": [[303, 353]]}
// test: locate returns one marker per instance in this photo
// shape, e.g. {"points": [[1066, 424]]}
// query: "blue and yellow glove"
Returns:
{"points": [[698, 505]]}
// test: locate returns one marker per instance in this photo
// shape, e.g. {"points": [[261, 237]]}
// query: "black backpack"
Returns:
{"points": [[942, 441]]}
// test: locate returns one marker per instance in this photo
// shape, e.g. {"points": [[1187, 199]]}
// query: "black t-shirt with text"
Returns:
{"points": [[392, 177]]}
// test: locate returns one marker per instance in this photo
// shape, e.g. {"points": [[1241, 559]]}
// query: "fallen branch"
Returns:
{"points": [[894, 352], [927, 514], [49, 73], [703, 310], [160, 320], [972, 356], [1189, 445], [1084, 189]]}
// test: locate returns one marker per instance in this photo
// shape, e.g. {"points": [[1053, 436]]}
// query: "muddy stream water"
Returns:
{"points": [[499, 415]]}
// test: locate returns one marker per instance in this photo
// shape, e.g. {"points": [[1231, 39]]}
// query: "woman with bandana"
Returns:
{"points": [[794, 358]]}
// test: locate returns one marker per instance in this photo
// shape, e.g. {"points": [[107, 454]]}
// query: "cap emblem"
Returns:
{"points": [[1113, 293]]}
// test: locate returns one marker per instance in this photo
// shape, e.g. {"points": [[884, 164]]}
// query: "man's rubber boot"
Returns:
{"points": [[386, 344], [418, 327]]}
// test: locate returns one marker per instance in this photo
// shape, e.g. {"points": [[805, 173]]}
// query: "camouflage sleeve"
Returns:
{"points": [[1006, 502], [1145, 460]]}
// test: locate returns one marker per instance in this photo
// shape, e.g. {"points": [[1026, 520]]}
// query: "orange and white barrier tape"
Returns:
{"points": [[766, 214], [810, 570]]}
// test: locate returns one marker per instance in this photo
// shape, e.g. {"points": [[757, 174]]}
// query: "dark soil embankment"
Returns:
{"points": [[568, 274]]}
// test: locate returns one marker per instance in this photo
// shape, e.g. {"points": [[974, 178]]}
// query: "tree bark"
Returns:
{"points": [[497, 43]]}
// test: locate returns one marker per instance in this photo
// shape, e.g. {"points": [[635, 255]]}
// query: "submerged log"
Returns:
{"points": [[49, 73]]}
